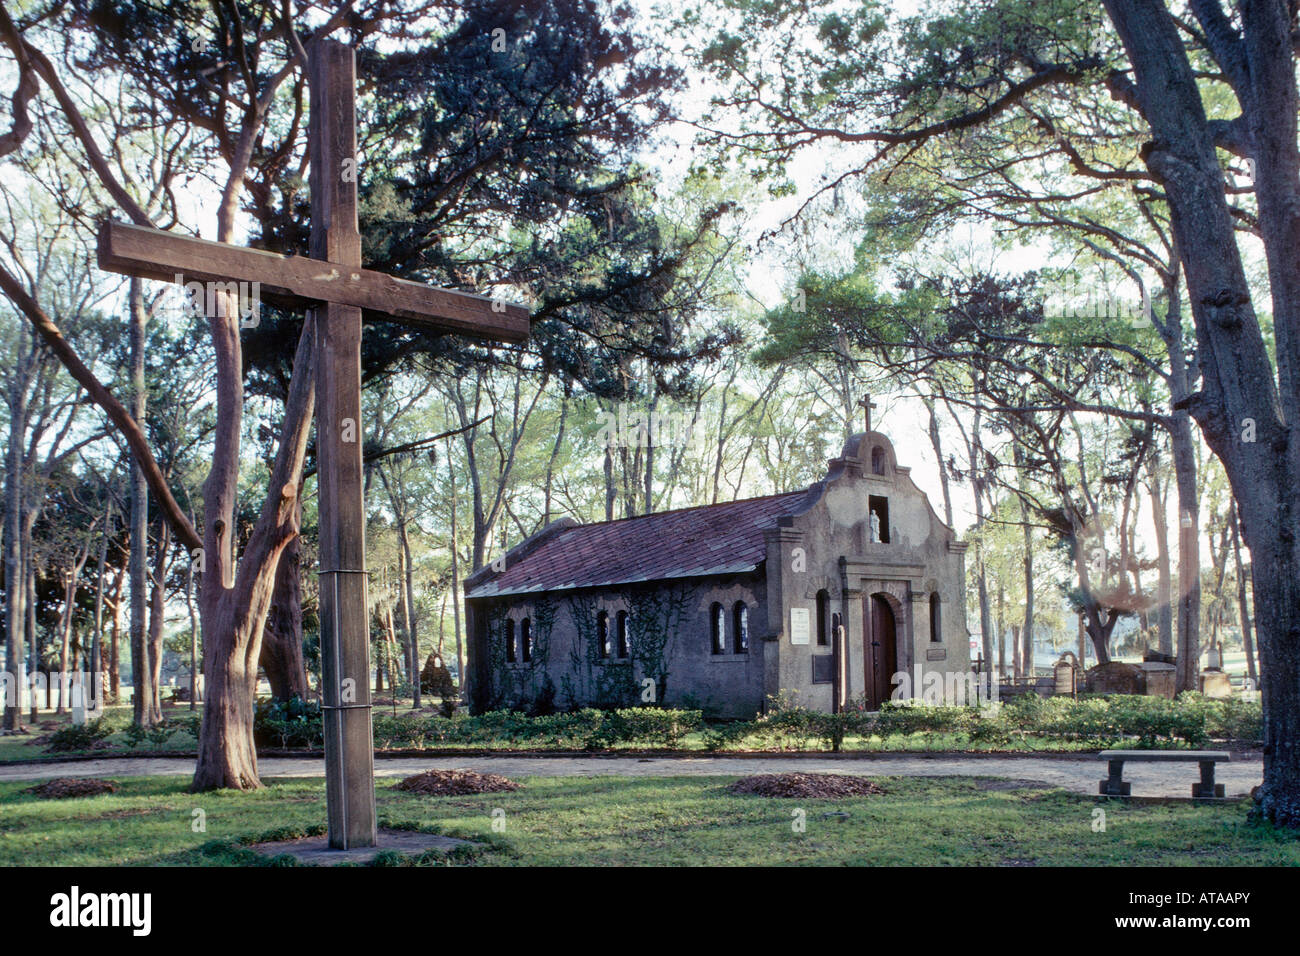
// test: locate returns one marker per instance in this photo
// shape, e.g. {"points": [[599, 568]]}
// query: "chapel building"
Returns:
{"points": [[825, 595]]}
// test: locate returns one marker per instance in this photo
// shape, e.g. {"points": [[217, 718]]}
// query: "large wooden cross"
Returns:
{"points": [[332, 283]]}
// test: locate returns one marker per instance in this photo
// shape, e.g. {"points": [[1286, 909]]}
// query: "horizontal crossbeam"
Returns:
{"points": [[301, 282]]}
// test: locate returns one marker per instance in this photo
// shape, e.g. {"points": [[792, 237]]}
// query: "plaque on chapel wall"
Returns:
{"points": [[798, 625]]}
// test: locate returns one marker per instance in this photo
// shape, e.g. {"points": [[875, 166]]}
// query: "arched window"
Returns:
{"points": [[936, 629], [602, 633], [740, 628], [526, 639], [510, 640], [623, 644], [823, 618], [877, 460], [718, 628]]}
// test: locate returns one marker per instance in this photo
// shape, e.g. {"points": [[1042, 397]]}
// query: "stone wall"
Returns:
{"points": [[670, 645]]}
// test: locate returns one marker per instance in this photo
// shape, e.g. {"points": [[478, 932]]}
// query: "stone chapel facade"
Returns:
{"points": [[829, 593]]}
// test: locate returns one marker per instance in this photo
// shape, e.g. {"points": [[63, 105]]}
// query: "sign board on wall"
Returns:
{"points": [[799, 625]]}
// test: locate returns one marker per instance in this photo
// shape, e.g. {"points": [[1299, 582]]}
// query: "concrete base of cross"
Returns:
{"points": [[316, 851]]}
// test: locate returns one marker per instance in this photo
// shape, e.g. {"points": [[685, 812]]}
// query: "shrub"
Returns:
{"points": [[785, 725], [1231, 719], [832, 728], [721, 736], [655, 726], [903, 719], [543, 705], [289, 723], [160, 733], [79, 736], [189, 724]]}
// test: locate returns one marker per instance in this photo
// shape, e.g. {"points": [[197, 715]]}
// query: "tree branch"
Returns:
{"points": [[117, 413]]}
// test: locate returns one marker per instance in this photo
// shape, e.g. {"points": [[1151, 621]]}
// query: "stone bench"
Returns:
{"points": [[1207, 789]]}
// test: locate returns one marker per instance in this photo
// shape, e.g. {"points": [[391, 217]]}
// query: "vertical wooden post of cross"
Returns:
{"points": [[345, 651]]}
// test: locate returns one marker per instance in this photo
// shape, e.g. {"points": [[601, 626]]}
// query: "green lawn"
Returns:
{"points": [[656, 821], [17, 749]]}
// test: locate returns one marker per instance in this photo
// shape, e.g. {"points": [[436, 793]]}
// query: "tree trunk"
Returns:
{"points": [[227, 757], [1189, 556], [649, 506], [937, 444], [609, 486], [977, 484], [282, 658], [1164, 577], [1002, 632], [1028, 531], [157, 596], [408, 580], [391, 655], [15, 570], [233, 607], [1247, 639], [1016, 663], [115, 646], [194, 635], [97, 639], [408, 655], [380, 655], [550, 464], [33, 635], [141, 671], [455, 578], [1247, 412], [65, 637], [1082, 641]]}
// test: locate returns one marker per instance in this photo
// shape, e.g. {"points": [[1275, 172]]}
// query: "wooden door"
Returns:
{"points": [[880, 651]]}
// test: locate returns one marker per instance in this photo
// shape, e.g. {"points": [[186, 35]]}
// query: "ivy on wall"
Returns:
{"points": [[654, 618], [655, 615], [501, 680]]}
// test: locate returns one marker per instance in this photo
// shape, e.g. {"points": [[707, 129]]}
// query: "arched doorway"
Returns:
{"points": [[880, 650]]}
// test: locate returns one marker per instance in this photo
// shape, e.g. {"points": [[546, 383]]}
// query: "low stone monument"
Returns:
{"points": [[1116, 677], [1161, 679], [1214, 680], [1065, 675]]}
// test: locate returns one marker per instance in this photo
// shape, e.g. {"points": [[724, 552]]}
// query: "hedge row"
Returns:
{"points": [[1191, 720], [588, 728]]}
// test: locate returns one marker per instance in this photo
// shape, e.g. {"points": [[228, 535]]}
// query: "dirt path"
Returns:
{"points": [[1079, 774]]}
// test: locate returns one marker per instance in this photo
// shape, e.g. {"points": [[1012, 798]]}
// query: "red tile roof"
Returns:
{"points": [[690, 542]]}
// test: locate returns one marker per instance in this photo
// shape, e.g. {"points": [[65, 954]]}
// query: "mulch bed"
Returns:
{"points": [[455, 783], [64, 787], [817, 785]]}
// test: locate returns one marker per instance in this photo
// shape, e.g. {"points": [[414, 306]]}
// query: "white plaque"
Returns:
{"points": [[798, 625]]}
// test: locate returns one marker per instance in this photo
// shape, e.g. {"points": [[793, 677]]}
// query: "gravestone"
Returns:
{"points": [[78, 705]]}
